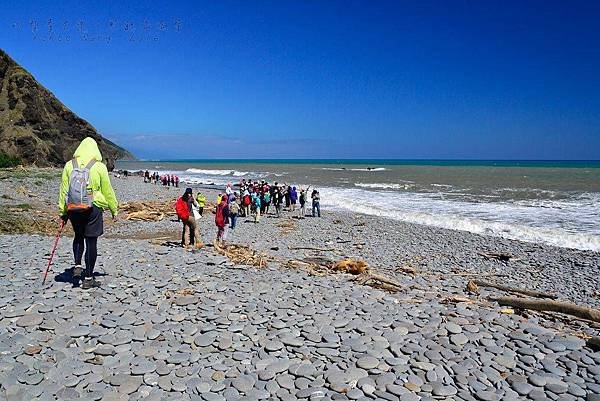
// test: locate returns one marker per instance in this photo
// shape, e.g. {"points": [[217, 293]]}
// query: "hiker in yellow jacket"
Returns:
{"points": [[85, 192], [201, 199]]}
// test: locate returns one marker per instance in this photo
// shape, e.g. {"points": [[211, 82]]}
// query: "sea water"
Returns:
{"points": [[549, 202]]}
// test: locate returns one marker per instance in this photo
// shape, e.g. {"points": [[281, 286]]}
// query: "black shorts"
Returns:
{"points": [[88, 223]]}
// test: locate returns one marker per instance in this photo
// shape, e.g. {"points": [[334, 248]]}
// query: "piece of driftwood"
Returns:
{"points": [[378, 281], [242, 255], [359, 268], [406, 269], [310, 248], [457, 299], [530, 293], [550, 306], [147, 210], [504, 257]]}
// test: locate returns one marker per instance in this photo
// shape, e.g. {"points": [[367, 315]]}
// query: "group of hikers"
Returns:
{"points": [[86, 192], [167, 180], [255, 200]]}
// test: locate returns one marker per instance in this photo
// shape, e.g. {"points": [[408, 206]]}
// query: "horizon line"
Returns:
{"points": [[357, 159]]}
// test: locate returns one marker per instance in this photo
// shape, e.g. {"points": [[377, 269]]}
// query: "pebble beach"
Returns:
{"points": [[176, 324]]}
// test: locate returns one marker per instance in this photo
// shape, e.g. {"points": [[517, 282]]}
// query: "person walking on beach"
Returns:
{"points": [[85, 192], [287, 196], [267, 201], [184, 207], [316, 203], [293, 199], [246, 202], [276, 199], [221, 216], [256, 205], [234, 209], [201, 200], [302, 200]]}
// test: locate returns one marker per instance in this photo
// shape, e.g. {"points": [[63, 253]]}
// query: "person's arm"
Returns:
{"points": [[62, 192], [108, 191]]}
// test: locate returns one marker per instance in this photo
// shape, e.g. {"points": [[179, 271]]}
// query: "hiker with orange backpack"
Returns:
{"points": [[85, 192]]}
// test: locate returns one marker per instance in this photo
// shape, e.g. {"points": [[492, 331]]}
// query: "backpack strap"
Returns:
{"points": [[90, 164], [75, 164]]}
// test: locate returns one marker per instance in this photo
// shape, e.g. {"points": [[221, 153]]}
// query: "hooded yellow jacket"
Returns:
{"points": [[104, 195]]}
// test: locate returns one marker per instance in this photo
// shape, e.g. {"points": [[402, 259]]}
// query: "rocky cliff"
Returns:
{"points": [[36, 127]]}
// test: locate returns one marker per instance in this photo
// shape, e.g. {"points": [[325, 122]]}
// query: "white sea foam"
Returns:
{"points": [[383, 185], [573, 225], [233, 173]]}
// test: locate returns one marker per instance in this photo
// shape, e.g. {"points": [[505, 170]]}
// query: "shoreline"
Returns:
{"points": [[556, 218]]}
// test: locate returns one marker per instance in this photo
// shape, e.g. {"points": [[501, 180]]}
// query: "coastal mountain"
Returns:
{"points": [[36, 127]]}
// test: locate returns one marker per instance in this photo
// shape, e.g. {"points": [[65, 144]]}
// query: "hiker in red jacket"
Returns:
{"points": [[182, 207], [221, 217]]}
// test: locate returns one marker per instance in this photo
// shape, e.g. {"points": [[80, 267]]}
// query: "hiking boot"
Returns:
{"points": [[77, 271], [89, 283]]}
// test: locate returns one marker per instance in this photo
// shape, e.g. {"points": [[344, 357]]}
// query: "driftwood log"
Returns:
{"points": [[361, 271], [240, 254], [504, 257], [378, 281], [531, 293], [310, 248], [550, 306]]}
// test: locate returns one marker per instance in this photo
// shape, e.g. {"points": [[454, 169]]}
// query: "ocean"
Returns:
{"points": [[550, 202]]}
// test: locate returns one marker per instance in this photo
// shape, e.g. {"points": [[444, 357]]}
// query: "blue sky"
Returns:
{"points": [[279, 79]]}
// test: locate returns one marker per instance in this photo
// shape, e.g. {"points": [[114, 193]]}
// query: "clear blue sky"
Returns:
{"points": [[308, 78]]}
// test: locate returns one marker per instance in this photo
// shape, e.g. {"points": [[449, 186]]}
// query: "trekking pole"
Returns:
{"points": [[62, 224]]}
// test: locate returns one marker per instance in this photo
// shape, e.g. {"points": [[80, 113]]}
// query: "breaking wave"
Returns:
{"points": [[383, 185], [569, 223], [233, 173]]}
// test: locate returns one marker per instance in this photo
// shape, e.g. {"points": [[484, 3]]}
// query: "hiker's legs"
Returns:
{"points": [[78, 249], [257, 217], [183, 228], [197, 237], [318, 204], [192, 224], [313, 209], [91, 254], [233, 219]]}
